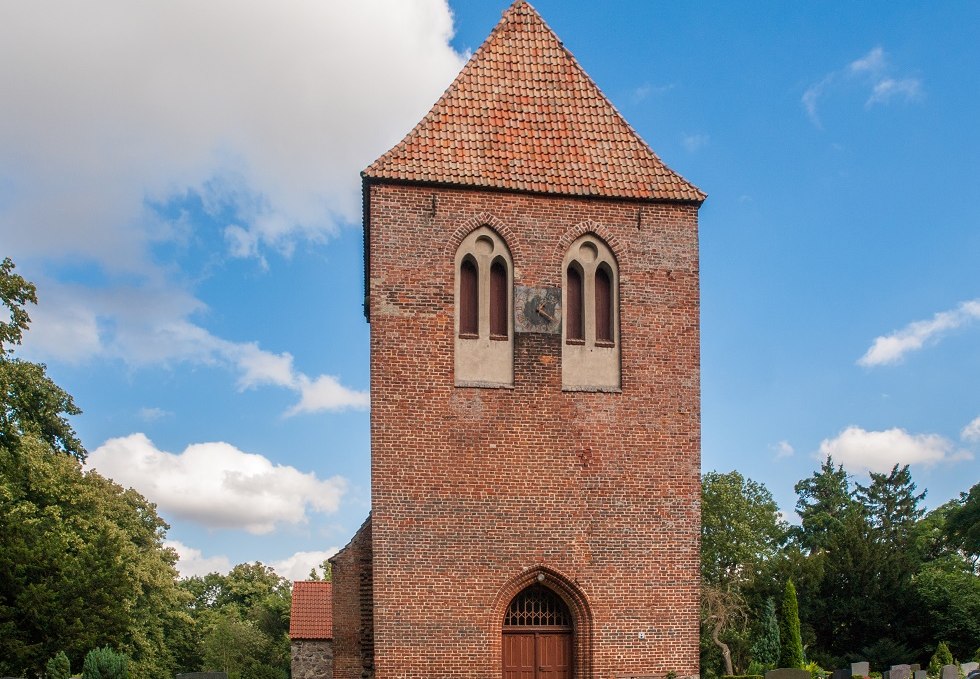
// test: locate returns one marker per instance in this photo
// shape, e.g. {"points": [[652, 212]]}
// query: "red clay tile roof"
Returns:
{"points": [[523, 115], [311, 614]]}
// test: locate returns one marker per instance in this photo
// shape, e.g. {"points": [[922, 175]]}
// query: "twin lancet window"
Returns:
{"points": [[485, 316], [590, 354]]}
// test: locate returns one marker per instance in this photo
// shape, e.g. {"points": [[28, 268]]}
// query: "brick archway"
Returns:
{"points": [[575, 604]]}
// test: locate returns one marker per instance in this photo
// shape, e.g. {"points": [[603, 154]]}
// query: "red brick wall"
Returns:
{"points": [[473, 489], [353, 632]]}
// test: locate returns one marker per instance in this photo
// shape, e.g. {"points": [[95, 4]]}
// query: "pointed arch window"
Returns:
{"points": [[603, 306], [469, 299], [498, 299], [575, 318], [484, 355], [590, 317]]}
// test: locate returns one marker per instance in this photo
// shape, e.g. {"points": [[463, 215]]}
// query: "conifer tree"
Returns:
{"points": [[791, 645], [765, 648], [941, 657]]}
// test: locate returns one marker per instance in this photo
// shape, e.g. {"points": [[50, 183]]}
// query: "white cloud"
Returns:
{"points": [[152, 325], [783, 449], [872, 62], [267, 110], [153, 414], [193, 562], [971, 432], [812, 96], [217, 485], [887, 89], [299, 565], [695, 142], [326, 393], [879, 451], [892, 348], [871, 71]]}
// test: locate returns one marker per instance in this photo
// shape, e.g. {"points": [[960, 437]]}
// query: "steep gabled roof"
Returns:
{"points": [[311, 613], [522, 115]]}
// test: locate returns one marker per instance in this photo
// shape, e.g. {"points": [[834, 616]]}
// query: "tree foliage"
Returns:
{"points": [[59, 667], [740, 533], [243, 621], [32, 405], [791, 644], [105, 663], [941, 657], [765, 646], [963, 524]]}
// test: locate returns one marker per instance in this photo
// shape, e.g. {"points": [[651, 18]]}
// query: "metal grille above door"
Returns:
{"points": [[538, 606]]}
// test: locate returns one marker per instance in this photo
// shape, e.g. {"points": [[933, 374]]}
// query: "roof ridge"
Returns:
{"points": [[522, 114]]}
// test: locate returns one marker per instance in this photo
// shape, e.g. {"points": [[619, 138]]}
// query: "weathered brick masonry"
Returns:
{"points": [[472, 487], [480, 492]]}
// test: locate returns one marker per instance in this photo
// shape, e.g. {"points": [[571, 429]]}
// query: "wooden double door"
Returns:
{"points": [[537, 636], [537, 655]]}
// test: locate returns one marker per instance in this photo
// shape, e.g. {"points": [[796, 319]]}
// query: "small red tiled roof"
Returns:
{"points": [[311, 613], [523, 115]]}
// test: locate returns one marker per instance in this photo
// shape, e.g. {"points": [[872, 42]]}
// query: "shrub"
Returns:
{"points": [[816, 672], [105, 663], [941, 657], [58, 667]]}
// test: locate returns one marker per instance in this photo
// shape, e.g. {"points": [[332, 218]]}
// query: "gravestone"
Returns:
{"points": [[900, 672], [950, 672], [968, 667], [787, 673], [921, 674], [861, 668], [842, 674], [886, 674], [915, 667]]}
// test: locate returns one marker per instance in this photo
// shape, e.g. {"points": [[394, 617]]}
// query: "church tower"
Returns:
{"points": [[532, 290]]}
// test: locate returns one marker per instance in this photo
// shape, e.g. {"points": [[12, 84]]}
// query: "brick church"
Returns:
{"points": [[531, 275]]}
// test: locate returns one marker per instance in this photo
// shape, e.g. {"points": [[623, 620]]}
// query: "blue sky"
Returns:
{"points": [[181, 181]]}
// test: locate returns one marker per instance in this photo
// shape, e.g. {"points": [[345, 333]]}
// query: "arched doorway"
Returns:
{"points": [[537, 636]]}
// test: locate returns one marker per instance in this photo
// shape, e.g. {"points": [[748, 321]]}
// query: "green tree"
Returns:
{"points": [[765, 646], [250, 603], [791, 645], [32, 405], [824, 503], [325, 573], [59, 667], [963, 524], [82, 562], [740, 532], [949, 592]]}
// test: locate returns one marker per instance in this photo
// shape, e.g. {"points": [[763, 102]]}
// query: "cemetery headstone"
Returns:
{"points": [[842, 674], [950, 672], [787, 673], [915, 667], [921, 674], [861, 668], [968, 667], [900, 672]]}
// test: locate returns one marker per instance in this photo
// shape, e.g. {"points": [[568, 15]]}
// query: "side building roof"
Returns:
{"points": [[523, 115], [311, 612]]}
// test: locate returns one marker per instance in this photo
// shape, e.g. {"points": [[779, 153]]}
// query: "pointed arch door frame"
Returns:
{"points": [[570, 595]]}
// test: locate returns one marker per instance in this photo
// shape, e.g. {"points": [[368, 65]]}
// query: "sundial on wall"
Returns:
{"points": [[537, 309]]}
